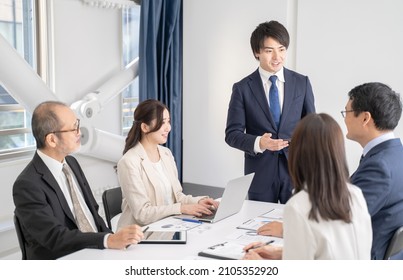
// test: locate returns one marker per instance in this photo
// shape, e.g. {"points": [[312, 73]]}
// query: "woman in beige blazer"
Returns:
{"points": [[147, 172]]}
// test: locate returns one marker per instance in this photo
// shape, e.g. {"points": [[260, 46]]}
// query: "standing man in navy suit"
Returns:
{"points": [[264, 111], [371, 114]]}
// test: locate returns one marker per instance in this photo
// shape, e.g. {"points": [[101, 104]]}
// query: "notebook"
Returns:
{"points": [[231, 202], [224, 251], [230, 250]]}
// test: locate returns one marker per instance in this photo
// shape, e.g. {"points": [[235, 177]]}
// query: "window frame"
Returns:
{"points": [[41, 61], [128, 101]]}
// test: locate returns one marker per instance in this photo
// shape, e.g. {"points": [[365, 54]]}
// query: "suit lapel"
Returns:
{"points": [[289, 92], [150, 172], [52, 183], [258, 92], [381, 147], [378, 148]]}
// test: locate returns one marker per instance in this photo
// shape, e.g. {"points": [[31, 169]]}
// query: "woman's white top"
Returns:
{"points": [[306, 239], [165, 184]]}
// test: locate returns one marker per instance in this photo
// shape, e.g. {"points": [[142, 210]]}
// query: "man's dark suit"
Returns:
{"points": [[47, 221], [380, 177], [249, 116]]}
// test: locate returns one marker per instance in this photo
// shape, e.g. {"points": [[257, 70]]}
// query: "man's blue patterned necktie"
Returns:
{"points": [[274, 101]]}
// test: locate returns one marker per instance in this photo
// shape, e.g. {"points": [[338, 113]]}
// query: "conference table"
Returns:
{"points": [[199, 238]]}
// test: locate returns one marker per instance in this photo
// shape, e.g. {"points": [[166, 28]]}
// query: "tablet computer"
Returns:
{"points": [[164, 237]]}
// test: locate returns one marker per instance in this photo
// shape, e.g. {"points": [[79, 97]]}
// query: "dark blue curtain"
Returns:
{"points": [[160, 64]]}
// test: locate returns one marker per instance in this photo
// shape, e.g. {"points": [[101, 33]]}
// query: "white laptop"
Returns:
{"points": [[231, 202]]}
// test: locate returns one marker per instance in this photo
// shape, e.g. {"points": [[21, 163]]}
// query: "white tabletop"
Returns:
{"points": [[198, 238]]}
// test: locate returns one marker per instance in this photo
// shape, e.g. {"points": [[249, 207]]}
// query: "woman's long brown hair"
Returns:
{"points": [[317, 164], [146, 112]]}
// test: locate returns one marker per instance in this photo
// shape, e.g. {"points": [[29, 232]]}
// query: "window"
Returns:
{"points": [[16, 26], [130, 37]]}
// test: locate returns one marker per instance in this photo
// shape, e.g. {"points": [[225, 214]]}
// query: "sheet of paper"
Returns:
{"points": [[246, 237], [255, 223], [172, 224], [274, 214]]}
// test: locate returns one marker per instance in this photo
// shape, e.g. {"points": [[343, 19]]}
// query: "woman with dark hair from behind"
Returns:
{"points": [[327, 217], [147, 172]]}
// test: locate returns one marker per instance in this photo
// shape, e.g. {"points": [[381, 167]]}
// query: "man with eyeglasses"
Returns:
{"points": [[371, 114], [54, 203]]}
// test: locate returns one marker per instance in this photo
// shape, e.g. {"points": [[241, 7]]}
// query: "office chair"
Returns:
{"points": [[396, 244], [21, 238], [112, 200]]}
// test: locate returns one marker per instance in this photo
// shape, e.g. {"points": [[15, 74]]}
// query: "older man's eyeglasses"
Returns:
{"points": [[344, 113], [76, 130]]}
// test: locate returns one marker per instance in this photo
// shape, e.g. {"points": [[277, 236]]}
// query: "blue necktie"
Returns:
{"points": [[274, 101]]}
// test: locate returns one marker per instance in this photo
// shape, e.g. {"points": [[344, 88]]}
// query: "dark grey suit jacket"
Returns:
{"points": [[249, 116], [380, 177], [47, 221]]}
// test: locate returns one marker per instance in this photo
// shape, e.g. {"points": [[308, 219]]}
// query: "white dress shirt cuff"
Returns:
{"points": [[256, 147], [106, 240]]}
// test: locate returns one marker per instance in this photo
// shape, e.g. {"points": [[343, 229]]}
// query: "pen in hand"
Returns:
{"points": [[144, 230], [260, 245]]}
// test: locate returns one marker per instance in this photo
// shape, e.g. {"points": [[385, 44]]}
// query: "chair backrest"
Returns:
{"points": [[112, 200], [21, 238], [396, 244]]}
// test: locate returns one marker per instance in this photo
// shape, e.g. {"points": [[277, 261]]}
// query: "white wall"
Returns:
{"points": [[216, 53], [338, 44], [342, 44]]}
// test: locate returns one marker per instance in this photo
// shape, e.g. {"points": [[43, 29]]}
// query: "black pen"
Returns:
{"points": [[261, 245]]}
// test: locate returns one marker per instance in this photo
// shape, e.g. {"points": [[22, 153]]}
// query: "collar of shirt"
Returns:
{"points": [[56, 169], [54, 166], [265, 75], [378, 140], [267, 84]]}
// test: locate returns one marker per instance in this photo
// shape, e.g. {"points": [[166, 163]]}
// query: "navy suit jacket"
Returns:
{"points": [[47, 222], [380, 177], [249, 116]]}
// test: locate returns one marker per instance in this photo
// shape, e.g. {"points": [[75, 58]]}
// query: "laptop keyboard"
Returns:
{"points": [[209, 217]]}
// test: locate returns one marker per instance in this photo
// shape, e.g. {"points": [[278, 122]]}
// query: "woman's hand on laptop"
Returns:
{"points": [[209, 203], [195, 209]]}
